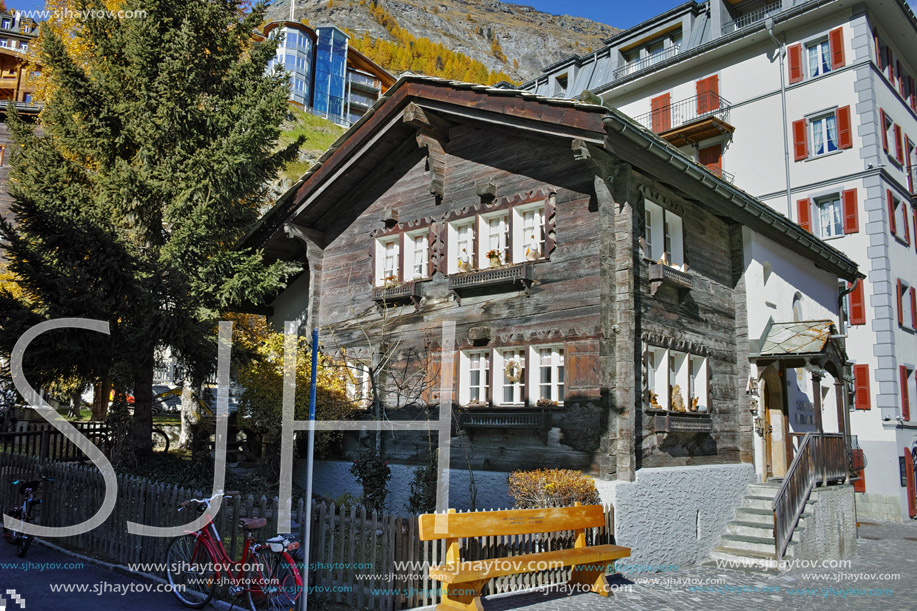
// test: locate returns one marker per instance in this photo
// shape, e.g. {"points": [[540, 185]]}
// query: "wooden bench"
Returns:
{"points": [[463, 581]]}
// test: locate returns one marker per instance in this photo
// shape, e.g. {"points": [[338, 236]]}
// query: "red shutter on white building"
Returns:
{"points": [[856, 305], [662, 113], [892, 221], [899, 292], [902, 82], [905, 399], [795, 58], [912, 92], [800, 142], [913, 291], [844, 134], [851, 217], [911, 484], [803, 214], [890, 63], [861, 396], [899, 145], [708, 94], [836, 44]]}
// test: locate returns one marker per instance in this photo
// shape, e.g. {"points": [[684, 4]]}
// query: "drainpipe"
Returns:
{"points": [[769, 24], [842, 330]]}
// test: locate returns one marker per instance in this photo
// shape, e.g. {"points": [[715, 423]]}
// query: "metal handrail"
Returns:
{"points": [[646, 62], [683, 112], [821, 458], [751, 17]]}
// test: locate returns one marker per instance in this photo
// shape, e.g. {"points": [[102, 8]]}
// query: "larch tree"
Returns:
{"points": [[153, 155]]}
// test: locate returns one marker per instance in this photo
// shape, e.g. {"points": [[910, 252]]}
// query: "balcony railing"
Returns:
{"points": [[362, 79], [400, 293], [752, 16], [694, 109], [730, 178], [523, 274], [646, 62]]}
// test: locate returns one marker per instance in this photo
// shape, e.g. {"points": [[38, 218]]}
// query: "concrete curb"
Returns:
{"points": [[126, 572]]}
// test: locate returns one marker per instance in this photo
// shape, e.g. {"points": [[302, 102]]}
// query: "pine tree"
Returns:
{"points": [[150, 164]]}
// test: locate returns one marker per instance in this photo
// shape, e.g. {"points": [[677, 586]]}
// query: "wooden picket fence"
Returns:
{"points": [[46, 442], [360, 558]]}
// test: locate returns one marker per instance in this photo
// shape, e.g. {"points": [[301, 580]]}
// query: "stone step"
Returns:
{"points": [[745, 560], [762, 530], [767, 490], [758, 502], [747, 543], [758, 516]]}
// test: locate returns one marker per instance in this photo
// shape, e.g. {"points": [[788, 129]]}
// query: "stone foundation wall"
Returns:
{"points": [[878, 507], [830, 528], [675, 515]]}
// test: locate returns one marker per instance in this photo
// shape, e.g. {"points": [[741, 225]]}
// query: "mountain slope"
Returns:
{"points": [[511, 38]]}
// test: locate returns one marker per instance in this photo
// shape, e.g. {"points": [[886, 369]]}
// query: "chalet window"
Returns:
{"points": [[899, 224], [663, 235], [358, 386], [473, 383], [510, 379], [905, 312], [416, 255], [675, 381], [495, 231], [461, 246], [387, 260], [528, 232], [550, 362]]}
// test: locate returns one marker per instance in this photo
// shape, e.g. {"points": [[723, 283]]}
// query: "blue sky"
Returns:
{"points": [[617, 13]]}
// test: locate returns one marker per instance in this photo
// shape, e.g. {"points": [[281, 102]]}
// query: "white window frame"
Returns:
{"points": [[664, 235], [697, 382], [413, 253], [553, 389], [382, 250], [829, 231], [523, 243], [500, 360], [455, 244], [358, 387], [816, 135], [485, 243], [665, 368], [823, 48], [655, 360], [467, 362], [900, 208]]}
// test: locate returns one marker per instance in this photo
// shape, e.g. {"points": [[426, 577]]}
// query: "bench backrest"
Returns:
{"points": [[509, 522]]}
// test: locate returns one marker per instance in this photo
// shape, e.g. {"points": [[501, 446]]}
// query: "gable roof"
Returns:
{"points": [[380, 135]]}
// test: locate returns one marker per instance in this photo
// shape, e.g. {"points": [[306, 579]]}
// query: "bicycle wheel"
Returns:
{"points": [[190, 571], [160, 441], [24, 542], [273, 582]]}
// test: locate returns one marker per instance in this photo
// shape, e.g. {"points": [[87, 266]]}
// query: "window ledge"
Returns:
{"points": [[400, 293], [540, 421], [682, 422], [814, 157], [522, 273], [662, 274]]}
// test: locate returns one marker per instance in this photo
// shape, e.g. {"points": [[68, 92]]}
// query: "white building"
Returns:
{"points": [[811, 107]]}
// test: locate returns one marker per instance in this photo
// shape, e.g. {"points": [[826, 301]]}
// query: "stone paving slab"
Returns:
{"points": [[884, 551]]}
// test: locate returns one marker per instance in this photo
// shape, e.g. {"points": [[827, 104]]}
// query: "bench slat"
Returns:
{"points": [[511, 522], [526, 563]]}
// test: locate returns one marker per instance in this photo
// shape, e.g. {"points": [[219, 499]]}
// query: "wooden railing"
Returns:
{"points": [[820, 459]]}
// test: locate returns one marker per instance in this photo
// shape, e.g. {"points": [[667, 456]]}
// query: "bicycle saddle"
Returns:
{"points": [[252, 523]]}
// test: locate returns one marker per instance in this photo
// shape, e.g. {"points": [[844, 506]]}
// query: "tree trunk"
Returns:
{"points": [[190, 415], [102, 390], [143, 406]]}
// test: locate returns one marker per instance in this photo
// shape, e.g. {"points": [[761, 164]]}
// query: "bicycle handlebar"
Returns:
{"points": [[206, 502]]}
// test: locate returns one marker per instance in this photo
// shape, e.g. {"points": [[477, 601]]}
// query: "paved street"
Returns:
{"points": [[882, 549], [29, 580]]}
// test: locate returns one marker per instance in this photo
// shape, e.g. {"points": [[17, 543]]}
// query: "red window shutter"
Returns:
{"points": [[883, 130], [800, 142], [795, 55], [861, 386], [712, 158], [851, 219], [912, 92], [836, 44], [905, 400], [662, 113], [907, 225], [875, 40], [708, 94], [892, 222], [911, 484], [803, 214], [900, 303], [890, 63], [913, 291], [859, 484], [902, 82], [844, 135], [899, 145], [856, 305]]}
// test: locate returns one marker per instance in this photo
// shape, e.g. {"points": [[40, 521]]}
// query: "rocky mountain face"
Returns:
{"points": [[529, 39]]}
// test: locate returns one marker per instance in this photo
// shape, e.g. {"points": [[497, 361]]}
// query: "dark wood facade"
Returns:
{"points": [[434, 153]]}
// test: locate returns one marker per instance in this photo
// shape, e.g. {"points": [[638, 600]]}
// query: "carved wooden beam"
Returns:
{"points": [[421, 119], [436, 161], [304, 234]]}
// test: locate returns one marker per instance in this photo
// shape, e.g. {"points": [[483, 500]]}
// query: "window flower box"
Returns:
{"points": [[397, 293], [507, 275], [661, 274]]}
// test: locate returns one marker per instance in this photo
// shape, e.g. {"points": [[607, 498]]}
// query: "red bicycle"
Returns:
{"points": [[197, 564]]}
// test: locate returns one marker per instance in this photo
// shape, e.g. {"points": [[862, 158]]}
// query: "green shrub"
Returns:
{"points": [[552, 488]]}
